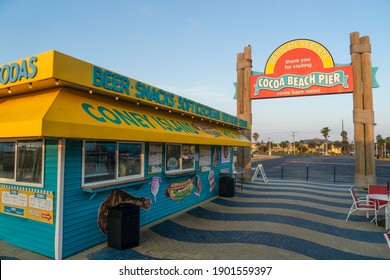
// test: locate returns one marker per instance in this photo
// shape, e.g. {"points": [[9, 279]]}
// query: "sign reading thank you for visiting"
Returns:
{"points": [[301, 68]]}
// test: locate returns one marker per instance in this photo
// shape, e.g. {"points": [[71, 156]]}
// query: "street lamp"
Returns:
{"points": [[269, 147]]}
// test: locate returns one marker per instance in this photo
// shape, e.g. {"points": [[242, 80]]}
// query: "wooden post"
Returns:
{"points": [[363, 114], [357, 107], [240, 102], [240, 84], [247, 76], [369, 109], [244, 107]]}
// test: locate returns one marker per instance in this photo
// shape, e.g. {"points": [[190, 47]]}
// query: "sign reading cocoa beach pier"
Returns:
{"points": [[301, 68]]}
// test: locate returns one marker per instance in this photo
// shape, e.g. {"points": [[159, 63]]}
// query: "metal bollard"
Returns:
{"points": [[307, 172], [281, 173]]}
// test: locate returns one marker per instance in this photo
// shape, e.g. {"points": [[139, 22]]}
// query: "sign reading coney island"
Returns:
{"points": [[301, 68]]}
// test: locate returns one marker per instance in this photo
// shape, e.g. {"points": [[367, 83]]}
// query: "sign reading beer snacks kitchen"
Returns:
{"points": [[301, 68]]}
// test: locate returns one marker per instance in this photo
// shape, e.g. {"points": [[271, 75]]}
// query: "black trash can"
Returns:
{"points": [[123, 226], [226, 186]]}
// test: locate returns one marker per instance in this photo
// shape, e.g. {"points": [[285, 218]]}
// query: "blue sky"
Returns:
{"points": [[190, 48]]}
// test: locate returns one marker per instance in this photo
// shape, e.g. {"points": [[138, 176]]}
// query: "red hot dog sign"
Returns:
{"points": [[301, 68]]}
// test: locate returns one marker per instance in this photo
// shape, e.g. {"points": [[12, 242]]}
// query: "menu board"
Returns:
{"points": [[205, 158], [155, 158], [27, 203]]}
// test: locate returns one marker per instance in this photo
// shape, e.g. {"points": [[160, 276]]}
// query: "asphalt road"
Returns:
{"points": [[338, 169]]}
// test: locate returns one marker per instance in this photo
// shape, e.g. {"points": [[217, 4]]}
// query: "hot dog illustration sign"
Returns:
{"points": [[180, 190], [301, 68]]}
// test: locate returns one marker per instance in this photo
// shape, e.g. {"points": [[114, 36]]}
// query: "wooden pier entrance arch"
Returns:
{"points": [[306, 68]]}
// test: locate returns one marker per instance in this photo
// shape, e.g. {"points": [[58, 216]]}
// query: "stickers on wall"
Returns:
{"points": [[211, 180], [155, 186], [209, 129], [115, 198], [215, 156], [198, 185], [155, 158], [180, 190], [205, 158], [225, 157]]}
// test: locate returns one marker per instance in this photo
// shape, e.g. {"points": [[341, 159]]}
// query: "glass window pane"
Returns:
{"points": [[7, 160], [173, 157], [99, 162], [130, 159], [29, 161], [188, 152]]}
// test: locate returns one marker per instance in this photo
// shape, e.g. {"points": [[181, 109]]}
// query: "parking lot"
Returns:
{"points": [[338, 169]]}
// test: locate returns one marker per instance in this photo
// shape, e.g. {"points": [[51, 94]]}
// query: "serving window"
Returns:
{"points": [[179, 157], [21, 162], [130, 159], [112, 161]]}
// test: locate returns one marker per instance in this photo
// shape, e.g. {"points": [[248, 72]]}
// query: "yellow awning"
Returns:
{"points": [[70, 113]]}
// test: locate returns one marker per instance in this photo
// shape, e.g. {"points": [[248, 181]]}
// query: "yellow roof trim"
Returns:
{"points": [[69, 113], [53, 69]]}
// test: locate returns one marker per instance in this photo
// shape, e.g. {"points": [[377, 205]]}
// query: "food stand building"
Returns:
{"points": [[77, 139]]}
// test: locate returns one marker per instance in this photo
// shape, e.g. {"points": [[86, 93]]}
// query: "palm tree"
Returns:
{"points": [[380, 143], [284, 145], [325, 132], [255, 136], [297, 146], [312, 145], [344, 142], [387, 145], [344, 135], [261, 147], [338, 144]]}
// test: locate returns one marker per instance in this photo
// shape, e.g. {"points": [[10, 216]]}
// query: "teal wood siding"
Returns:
{"points": [[29, 234], [80, 229], [80, 219], [51, 165]]}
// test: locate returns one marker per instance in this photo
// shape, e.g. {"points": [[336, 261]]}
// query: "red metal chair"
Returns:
{"points": [[387, 236], [361, 204], [378, 190]]}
